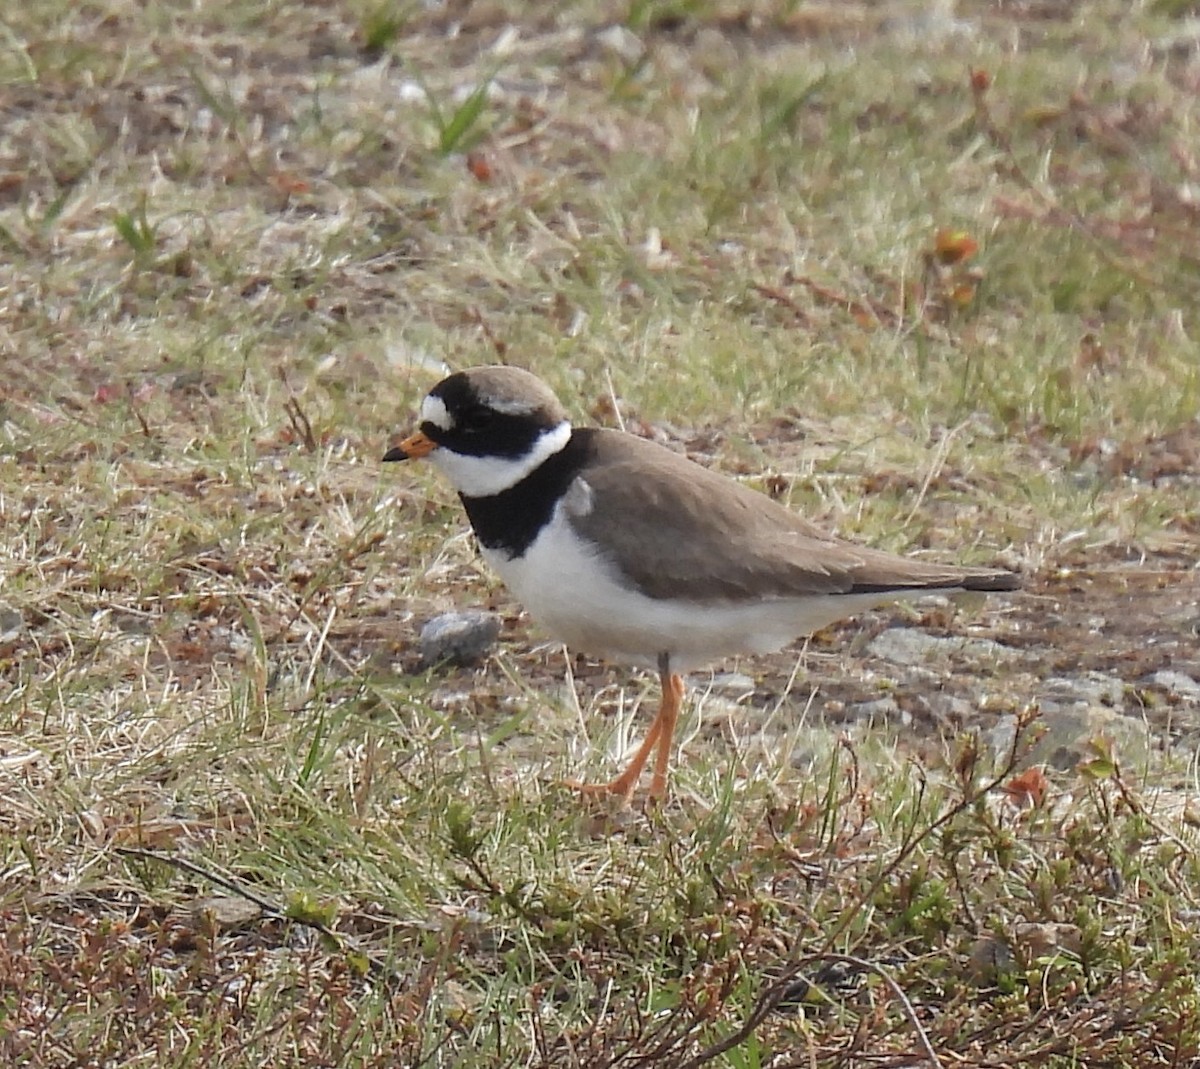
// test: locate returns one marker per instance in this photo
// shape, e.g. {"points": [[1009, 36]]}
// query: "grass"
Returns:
{"points": [[929, 279]]}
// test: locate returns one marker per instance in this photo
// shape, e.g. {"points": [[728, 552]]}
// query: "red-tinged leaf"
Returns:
{"points": [[288, 184], [1028, 789], [954, 246], [1091, 354], [963, 294], [480, 167]]}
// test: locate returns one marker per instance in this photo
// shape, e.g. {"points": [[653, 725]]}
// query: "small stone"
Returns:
{"points": [[732, 684], [1000, 737], [1046, 939], [226, 912], [908, 646], [1092, 688], [1182, 686], [458, 637], [946, 711], [1068, 731], [878, 712], [622, 42], [989, 959], [12, 623]]}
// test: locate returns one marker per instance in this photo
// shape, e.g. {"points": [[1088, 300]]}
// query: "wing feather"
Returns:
{"points": [[674, 528]]}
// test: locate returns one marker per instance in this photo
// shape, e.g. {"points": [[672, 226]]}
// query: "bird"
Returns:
{"points": [[623, 549]]}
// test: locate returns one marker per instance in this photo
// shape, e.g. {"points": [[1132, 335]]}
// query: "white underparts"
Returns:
{"points": [[575, 594]]}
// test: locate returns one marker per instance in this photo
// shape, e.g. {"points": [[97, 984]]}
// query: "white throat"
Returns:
{"points": [[486, 476]]}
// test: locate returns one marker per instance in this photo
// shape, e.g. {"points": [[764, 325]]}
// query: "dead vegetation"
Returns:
{"points": [[925, 271]]}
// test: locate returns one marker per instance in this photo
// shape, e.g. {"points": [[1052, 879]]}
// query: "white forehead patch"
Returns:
{"points": [[434, 410], [510, 406]]}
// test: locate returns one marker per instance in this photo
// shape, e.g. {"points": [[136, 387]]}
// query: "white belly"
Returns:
{"points": [[571, 592]]}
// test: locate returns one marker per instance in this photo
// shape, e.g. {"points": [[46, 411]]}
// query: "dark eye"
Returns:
{"points": [[475, 419]]}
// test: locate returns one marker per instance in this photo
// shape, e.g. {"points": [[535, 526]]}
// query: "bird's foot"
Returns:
{"points": [[617, 788], [622, 788]]}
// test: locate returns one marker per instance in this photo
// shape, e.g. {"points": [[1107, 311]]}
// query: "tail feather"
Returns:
{"points": [[993, 580]]}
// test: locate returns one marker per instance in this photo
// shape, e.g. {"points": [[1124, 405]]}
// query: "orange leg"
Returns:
{"points": [[660, 734], [668, 716]]}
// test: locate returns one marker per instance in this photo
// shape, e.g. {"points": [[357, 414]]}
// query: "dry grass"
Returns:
{"points": [[240, 241]]}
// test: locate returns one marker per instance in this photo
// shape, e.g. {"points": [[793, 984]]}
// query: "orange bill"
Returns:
{"points": [[411, 448]]}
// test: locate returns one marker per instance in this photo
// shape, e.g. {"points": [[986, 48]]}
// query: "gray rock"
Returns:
{"points": [[731, 684], [1068, 730], [12, 623], [878, 712], [989, 958], [909, 646], [1094, 688], [226, 912], [1176, 683], [942, 713], [458, 637], [1000, 736]]}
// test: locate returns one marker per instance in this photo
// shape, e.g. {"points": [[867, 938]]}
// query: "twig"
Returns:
{"points": [[864, 309], [137, 414], [935, 466], [770, 999], [343, 942], [909, 1010], [498, 344], [300, 423], [1001, 140], [184, 865], [612, 399], [781, 990], [767, 1002], [296, 416], [966, 802], [1127, 796], [777, 295]]}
